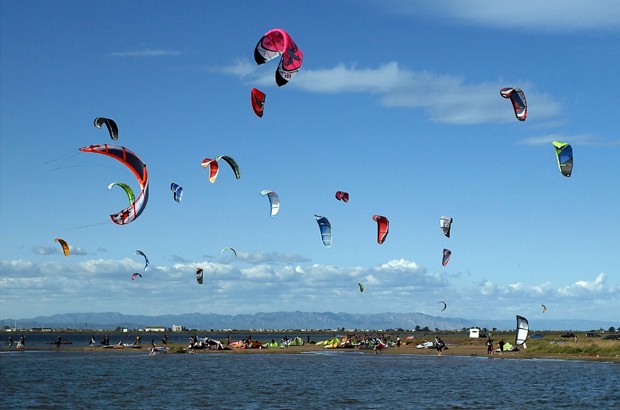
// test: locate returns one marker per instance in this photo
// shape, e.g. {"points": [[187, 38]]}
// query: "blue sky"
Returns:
{"points": [[397, 102]]}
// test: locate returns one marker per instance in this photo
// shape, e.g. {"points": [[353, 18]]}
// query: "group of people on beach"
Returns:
{"points": [[21, 343]]}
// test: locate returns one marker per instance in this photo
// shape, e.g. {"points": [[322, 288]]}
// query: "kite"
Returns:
{"points": [[445, 223], [522, 328], [275, 43], [229, 249], [444, 305], [342, 196], [232, 163], [65, 246], [446, 257], [544, 308], [258, 101], [138, 167], [177, 191], [517, 97], [136, 274], [146, 260], [274, 201], [361, 285], [326, 230], [213, 168], [383, 227], [110, 124], [564, 154], [199, 275], [126, 188]]}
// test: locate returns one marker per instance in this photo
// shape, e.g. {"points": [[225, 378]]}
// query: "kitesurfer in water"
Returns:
{"points": [[439, 345], [10, 342], [58, 341]]}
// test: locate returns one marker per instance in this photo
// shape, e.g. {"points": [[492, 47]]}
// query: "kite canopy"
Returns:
{"points": [[126, 188], [517, 97], [213, 168], [138, 167], [342, 196], [544, 308], [65, 246], [229, 249], [361, 285], [274, 201], [276, 43], [326, 230], [177, 191], [136, 274], [233, 164], [446, 257], [383, 227], [522, 328], [564, 154], [441, 302], [445, 223], [146, 260], [257, 97], [199, 273], [110, 124]]}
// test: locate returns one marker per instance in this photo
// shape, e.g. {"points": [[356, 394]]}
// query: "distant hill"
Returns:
{"points": [[289, 320]]}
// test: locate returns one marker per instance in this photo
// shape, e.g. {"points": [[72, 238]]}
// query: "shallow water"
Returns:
{"points": [[316, 380]]}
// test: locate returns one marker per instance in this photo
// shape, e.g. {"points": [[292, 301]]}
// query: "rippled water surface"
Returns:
{"points": [[318, 380]]}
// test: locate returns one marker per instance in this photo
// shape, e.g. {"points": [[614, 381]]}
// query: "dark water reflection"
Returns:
{"points": [[331, 379]]}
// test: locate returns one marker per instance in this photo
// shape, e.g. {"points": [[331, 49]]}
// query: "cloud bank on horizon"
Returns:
{"points": [[237, 287]]}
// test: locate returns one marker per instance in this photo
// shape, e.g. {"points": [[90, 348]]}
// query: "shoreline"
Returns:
{"points": [[458, 350]]}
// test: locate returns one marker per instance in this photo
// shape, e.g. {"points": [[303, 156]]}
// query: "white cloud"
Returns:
{"points": [[444, 98], [532, 15], [238, 287], [547, 139], [147, 52]]}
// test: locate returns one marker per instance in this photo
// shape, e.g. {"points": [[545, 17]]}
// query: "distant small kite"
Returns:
{"points": [[446, 257], [517, 97], [544, 308], [274, 201], [65, 246], [441, 302], [342, 196], [133, 277], [257, 98], [177, 192], [229, 249], [383, 227], [110, 124]]}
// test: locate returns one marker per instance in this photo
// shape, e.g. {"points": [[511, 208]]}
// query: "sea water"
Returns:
{"points": [[44, 379]]}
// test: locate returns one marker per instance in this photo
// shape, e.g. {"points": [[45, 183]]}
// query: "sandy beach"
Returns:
{"points": [[600, 350]]}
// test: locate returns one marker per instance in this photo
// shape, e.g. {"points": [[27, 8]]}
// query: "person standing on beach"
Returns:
{"points": [[58, 341], [489, 345], [439, 345], [398, 341], [164, 340], [21, 343], [10, 342], [501, 345]]}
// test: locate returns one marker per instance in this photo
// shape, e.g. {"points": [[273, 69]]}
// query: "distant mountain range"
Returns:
{"points": [[288, 321]]}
